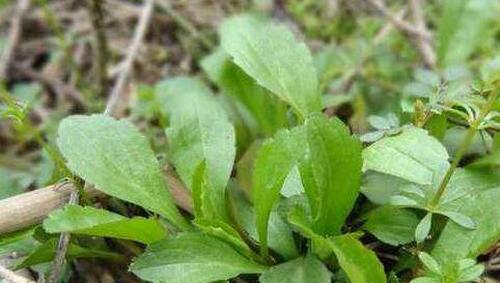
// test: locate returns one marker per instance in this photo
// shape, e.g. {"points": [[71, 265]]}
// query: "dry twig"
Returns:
{"points": [[12, 277], [417, 32], [14, 36], [424, 45], [123, 77]]}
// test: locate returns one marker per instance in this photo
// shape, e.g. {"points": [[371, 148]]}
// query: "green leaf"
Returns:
{"points": [[275, 160], [331, 172], [300, 270], [431, 264], [471, 273], [379, 188], [423, 228], [412, 155], [280, 234], [268, 111], [99, 222], [118, 160], [481, 204], [194, 258], [282, 65], [226, 233], [300, 219], [199, 132], [392, 225], [47, 251], [359, 263], [426, 280], [462, 26], [459, 218]]}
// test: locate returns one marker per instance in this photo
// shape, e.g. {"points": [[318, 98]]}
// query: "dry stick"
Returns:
{"points": [[14, 37], [424, 45], [27, 209], [10, 276], [418, 33], [139, 34], [101, 45]]}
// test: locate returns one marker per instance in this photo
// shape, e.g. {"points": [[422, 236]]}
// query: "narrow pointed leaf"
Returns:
{"points": [[431, 264], [275, 160], [423, 228]]}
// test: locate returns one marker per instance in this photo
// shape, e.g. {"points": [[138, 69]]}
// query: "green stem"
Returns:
{"points": [[464, 146]]}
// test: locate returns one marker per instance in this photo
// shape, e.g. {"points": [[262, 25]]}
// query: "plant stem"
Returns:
{"points": [[464, 146]]}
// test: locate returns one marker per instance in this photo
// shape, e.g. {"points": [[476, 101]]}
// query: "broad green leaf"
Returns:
{"points": [[359, 263], [412, 155], [331, 172], [47, 251], [199, 132], [194, 258], [272, 56], [268, 111], [118, 160], [456, 242], [99, 222], [275, 160], [300, 270], [392, 225], [461, 28]]}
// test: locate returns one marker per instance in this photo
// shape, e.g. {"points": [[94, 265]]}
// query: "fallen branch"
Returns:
{"points": [[12, 277], [30, 208], [416, 32], [14, 37], [123, 77]]}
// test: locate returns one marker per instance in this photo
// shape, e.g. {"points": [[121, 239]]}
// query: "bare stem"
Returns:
{"points": [[14, 36]]}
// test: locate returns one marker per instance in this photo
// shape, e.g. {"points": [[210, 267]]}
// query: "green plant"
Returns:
{"points": [[293, 213]]}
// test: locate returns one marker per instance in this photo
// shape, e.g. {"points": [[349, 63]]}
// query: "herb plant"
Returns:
{"points": [[295, 196]]}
